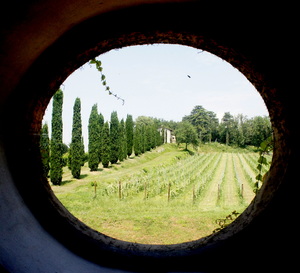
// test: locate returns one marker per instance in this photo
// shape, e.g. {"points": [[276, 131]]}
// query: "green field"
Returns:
{"points": [[165, 196]]}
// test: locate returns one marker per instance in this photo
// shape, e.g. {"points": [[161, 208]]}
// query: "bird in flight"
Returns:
{"points": [[189, 76]]}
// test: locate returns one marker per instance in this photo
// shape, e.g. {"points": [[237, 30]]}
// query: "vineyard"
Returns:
{"points": [[180, 195]]}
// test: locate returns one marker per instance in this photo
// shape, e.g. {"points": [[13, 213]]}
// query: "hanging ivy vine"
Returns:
{"points": [[265, 148], [99, 67]]}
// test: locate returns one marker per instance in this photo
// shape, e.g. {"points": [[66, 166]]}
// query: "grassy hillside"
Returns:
{"points": [[164, 196]]}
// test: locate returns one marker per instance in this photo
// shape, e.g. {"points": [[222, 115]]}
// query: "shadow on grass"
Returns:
{"points": [[98, 170], [188, 151], [66, 182]]}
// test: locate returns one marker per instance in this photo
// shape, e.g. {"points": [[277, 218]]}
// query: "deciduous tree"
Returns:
{"points": [[186, 133], [204, 121]]}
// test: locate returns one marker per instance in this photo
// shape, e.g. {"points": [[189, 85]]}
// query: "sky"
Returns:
{"points": [[162, 81]]}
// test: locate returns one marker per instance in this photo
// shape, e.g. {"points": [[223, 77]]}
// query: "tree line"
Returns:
{"points": [[203, 126], [108, 141], [114, 140]]}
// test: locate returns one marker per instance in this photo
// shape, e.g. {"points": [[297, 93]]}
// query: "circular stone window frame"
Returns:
{"points": [[77, 46]]}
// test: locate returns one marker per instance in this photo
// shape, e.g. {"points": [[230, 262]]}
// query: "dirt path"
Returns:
{"points": [[229, 187], [248, 193], [247, 167], [209, 201]]}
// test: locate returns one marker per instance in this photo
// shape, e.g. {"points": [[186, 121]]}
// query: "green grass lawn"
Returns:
{"points": [[153, 220]]}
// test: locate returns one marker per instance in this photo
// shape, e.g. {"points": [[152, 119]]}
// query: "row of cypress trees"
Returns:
{"points": [[109, 142], [52, 150]]}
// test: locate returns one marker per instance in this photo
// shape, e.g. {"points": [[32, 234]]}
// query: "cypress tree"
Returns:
{"points": [[143, 138], [101, 123], [155, 133], [148, 137], [105, 145], [56, 161], [129, 134], [45, 149], [114, 138], [76, 147], [94, 133], [158, 138], [83, 156], [122, 141], [137, 140]]}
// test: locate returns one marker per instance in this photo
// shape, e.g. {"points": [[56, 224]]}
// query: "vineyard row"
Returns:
{"points": [[210, 179]]}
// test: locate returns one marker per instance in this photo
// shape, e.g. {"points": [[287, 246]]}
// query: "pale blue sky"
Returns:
{"points": [[153, 81]]}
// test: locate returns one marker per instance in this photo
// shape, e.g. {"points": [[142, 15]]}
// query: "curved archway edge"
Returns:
{"points": [[41, 50]]}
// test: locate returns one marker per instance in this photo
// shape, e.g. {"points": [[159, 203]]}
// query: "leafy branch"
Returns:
{"points": [[103, 79], [265, 148], [224, 222]]}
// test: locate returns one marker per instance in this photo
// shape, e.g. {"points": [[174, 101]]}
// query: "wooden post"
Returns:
{"points": [[95, 189], [145, 190], [169, 191], [194, 194], [242, 190], [120, 189]]}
